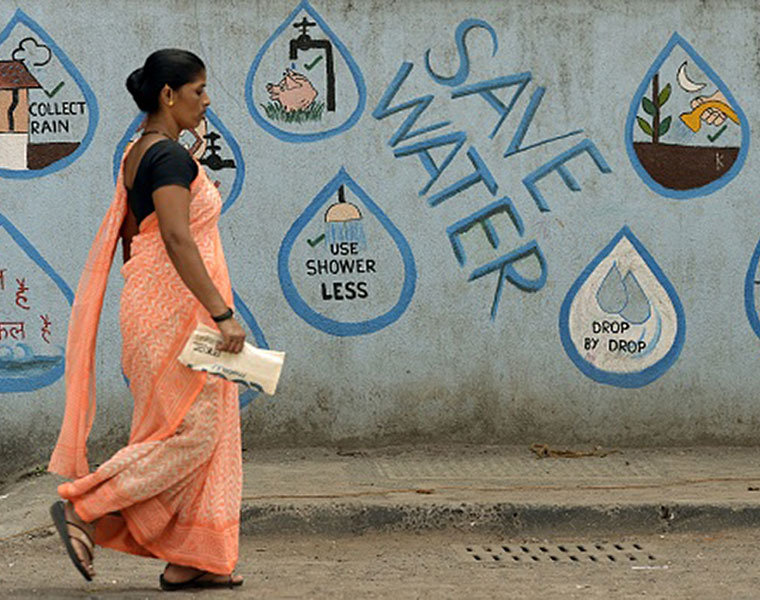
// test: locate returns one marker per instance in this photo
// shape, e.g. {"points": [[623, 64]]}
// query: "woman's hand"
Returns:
{"points": [[233, 334]]}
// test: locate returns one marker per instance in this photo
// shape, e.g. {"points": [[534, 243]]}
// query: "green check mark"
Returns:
{"points": [[313, 63], [316, 240], [56, 89], [712, 138]]}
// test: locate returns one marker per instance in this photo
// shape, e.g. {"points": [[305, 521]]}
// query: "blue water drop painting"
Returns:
{"points": [[751, 295], [245, 317], [52, 112], [344, 267], [304, 85], [34, 310], [622, 322], [686, 135], [611, 295], [212, 144]]}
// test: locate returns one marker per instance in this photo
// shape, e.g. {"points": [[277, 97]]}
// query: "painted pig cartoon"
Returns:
{"points": [[294, 91]]}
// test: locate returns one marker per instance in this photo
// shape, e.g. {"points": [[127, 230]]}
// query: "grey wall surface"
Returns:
{"points": [[433, 352]]}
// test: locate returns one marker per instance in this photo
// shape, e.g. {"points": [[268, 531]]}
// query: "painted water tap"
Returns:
{"points": [[305, 42], [294, 91], [713, 110]]}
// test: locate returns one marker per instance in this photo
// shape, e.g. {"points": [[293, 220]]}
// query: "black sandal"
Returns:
{"points": [[195, 582], [58, 512]]}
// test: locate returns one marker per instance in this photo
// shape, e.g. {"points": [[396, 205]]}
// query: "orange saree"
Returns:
{"points": [[174, 491]]}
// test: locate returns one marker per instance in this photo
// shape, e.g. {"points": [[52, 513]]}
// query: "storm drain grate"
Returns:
{"points": [[599, 553]]}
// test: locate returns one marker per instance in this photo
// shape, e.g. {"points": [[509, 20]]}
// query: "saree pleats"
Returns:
{"points": [[174, 491]]}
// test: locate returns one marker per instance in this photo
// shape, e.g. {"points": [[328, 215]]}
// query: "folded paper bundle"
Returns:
{"points": [[253, 367]]}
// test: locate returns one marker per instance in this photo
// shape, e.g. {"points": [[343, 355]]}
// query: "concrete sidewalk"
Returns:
{"points": [[508, 490]]}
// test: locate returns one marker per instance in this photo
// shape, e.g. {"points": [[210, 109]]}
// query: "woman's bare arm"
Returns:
{"points": [[172, 204]]}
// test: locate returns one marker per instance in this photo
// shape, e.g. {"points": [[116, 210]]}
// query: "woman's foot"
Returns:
{"points": [[77, 536], [176, 577], [82, 534]]}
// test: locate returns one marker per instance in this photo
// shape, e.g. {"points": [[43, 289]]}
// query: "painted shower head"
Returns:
{"points": [[342, 211]]}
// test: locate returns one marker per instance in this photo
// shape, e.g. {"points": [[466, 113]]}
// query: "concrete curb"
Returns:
{"points": [[497, 518], [500, 491]]}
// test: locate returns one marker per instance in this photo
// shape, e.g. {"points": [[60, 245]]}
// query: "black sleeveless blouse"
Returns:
{"points": [[164, 163]]}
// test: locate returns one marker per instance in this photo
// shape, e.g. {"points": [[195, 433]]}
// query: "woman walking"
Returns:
{"points": [[174, 491]]}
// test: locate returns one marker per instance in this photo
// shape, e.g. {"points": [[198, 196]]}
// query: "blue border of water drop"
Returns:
{"points": [[12, 384], [237, 184], [676, 39], [749, 291], [92, 104], [289, 136], [297, 303], [624, 380], [122, 145], [249, 395]]}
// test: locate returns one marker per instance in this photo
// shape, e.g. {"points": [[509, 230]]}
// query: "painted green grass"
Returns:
{"points": [[276, 112]]}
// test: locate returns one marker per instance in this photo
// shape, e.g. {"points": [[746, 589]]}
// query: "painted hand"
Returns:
{"points": [[712, 116]]}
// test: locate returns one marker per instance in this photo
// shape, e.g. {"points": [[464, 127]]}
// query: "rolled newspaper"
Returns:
{"points": [[253, 367]]}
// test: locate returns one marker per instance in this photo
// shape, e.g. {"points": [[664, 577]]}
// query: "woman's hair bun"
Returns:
{"points": [[135, 86]]}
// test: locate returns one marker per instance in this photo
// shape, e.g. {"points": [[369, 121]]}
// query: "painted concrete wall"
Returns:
{"points": [[556, 241]]}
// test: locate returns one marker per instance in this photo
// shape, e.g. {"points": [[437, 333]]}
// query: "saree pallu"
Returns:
{"points": [[174, 491]]}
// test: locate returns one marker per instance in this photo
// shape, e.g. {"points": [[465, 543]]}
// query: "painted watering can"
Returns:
{"points": [[693, 119]]}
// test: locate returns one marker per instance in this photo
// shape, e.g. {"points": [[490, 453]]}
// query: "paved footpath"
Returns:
{"points": [[433, 565], [479, 489]]}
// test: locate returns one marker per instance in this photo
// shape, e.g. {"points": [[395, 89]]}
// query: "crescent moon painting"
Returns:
{"points": [[687, 85], [686, 135]]}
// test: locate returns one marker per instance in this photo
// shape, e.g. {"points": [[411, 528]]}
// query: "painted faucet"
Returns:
{"points": [[304, 42]]}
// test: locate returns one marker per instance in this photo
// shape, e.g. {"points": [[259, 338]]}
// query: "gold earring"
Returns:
{"points": [[171, 102]]}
